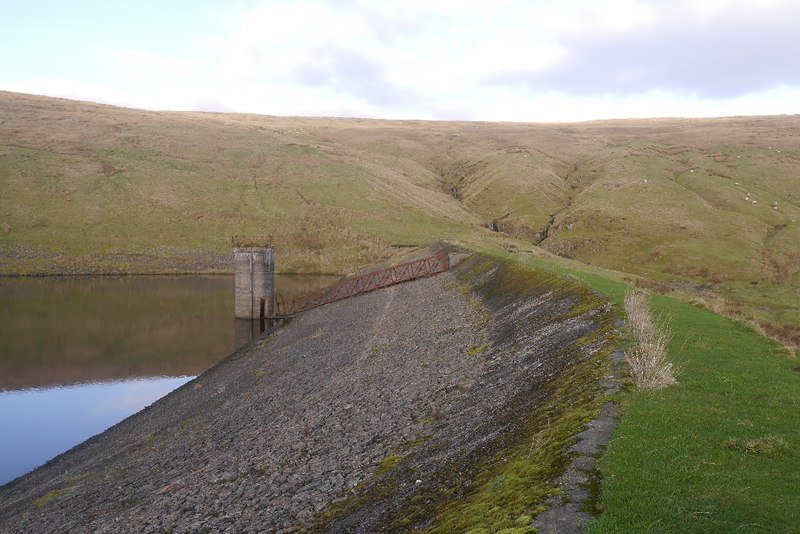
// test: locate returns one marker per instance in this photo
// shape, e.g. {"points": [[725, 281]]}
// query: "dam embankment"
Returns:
{"points": [[406, 408]]}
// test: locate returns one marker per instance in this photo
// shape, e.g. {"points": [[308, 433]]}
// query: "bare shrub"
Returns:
{"points": [[648, 357], [651, 285]]}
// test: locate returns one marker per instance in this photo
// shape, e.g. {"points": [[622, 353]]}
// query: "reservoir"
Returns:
{"points": [[79, 354]]}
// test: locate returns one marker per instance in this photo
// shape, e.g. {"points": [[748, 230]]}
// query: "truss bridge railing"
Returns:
{"points": [[363, 283]]}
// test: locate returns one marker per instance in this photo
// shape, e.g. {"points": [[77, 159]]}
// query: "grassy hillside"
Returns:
{"points": [[708, 206], [81, 179]]}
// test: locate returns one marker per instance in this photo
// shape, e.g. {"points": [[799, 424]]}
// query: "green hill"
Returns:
{"points": [[708, 206]]}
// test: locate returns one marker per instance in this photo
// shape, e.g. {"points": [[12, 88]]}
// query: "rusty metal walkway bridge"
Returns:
{"points": [[363, 283]]}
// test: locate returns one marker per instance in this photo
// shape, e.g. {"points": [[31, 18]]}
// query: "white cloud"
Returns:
{"points": [[557, 107], [148, 67], [509, 59]]}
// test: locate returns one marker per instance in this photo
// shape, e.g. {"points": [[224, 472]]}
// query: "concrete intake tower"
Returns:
{"points": [[254, 267]]}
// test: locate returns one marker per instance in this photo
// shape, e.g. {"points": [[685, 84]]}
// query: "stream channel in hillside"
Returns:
{"points": [[79, 354]]}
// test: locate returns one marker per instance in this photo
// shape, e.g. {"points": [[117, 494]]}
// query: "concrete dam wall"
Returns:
{"points": [[396, 410]]}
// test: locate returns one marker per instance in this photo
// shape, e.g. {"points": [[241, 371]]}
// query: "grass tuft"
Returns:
{"points": [[763, 446], [388, 463], [648, 357], [476, 349], [53, 495]]}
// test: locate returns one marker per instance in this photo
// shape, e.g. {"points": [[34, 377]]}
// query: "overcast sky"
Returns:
{"points": [[515, 60]]}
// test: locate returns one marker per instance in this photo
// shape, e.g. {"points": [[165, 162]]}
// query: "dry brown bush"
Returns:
{"points": [[648, 361], [651, 285]]}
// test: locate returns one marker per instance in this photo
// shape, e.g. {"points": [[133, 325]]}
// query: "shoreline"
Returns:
{"points": [[158, 273], [353, 415]]}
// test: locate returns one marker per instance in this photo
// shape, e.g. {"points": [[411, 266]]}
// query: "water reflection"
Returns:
{"points": [[245, 331], [61, 331], [98, 349], [38, 424]]}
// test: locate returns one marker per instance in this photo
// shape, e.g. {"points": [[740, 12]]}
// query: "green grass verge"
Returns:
{"points": [[719, 452]]}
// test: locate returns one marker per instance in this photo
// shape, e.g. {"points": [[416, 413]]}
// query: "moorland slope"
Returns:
{"points": [[705, 205]]}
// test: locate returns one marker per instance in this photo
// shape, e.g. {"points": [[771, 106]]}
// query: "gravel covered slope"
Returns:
{"points": [[368, 403]]}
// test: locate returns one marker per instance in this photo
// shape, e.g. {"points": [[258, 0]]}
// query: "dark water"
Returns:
{"points": [[77, 355]]}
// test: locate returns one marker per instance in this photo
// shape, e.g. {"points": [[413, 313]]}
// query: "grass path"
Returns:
{"points": [[720, 452]]}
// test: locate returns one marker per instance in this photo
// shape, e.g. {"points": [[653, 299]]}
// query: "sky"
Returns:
{"points": [[499, 60]]}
